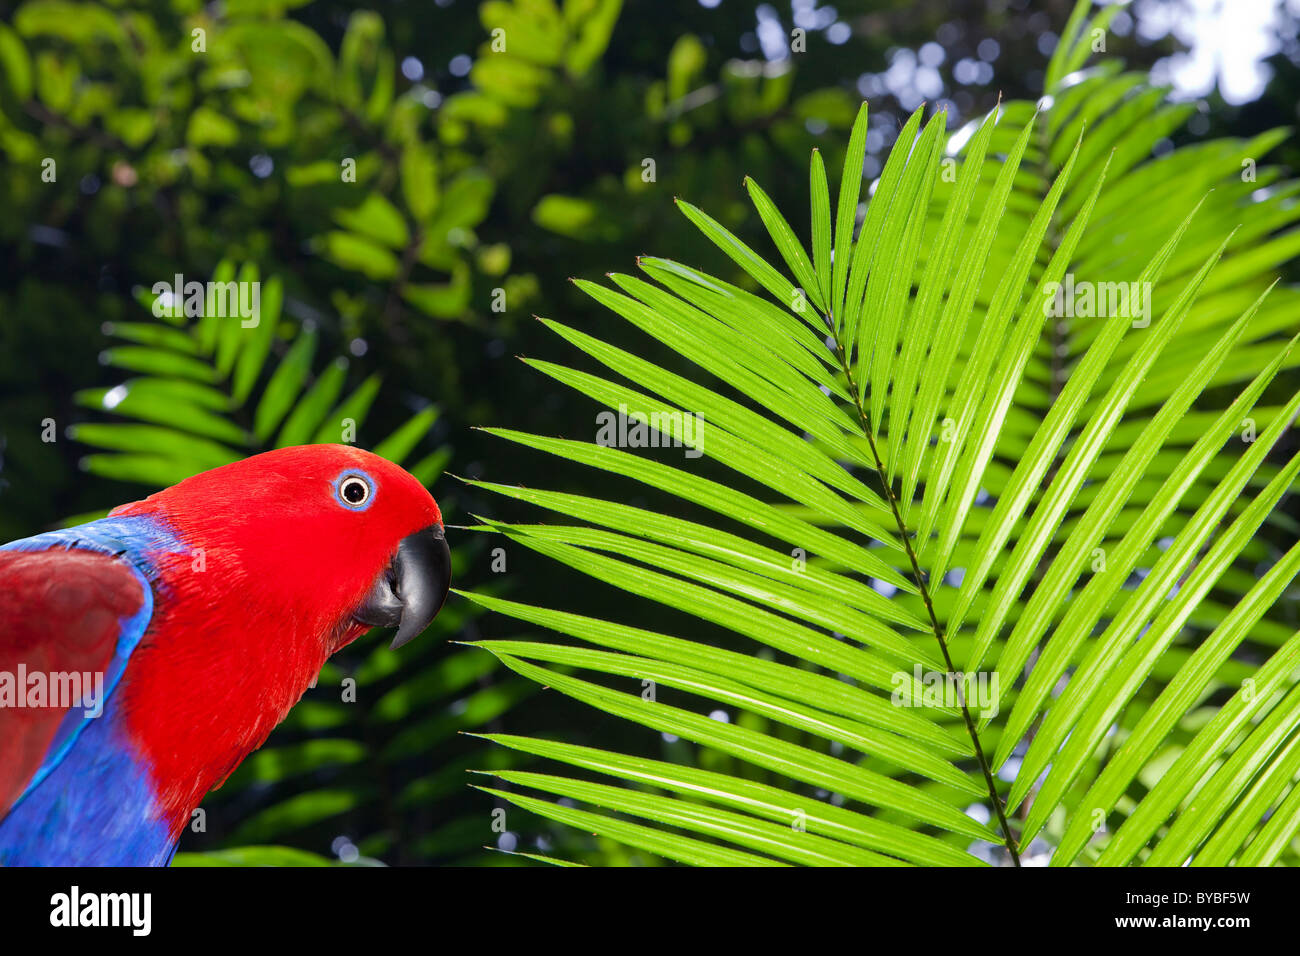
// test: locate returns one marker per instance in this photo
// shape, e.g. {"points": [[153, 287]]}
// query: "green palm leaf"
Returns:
{"points": [[197, 394], [916, 461]]}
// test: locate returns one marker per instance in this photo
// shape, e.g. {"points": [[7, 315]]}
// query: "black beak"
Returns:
{"points": [[410, 592]]}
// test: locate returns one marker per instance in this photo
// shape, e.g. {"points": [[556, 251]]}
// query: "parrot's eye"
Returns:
{"points": [[353, 491]]}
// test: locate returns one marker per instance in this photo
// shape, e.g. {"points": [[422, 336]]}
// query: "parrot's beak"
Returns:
{"points": [[410, 591]]}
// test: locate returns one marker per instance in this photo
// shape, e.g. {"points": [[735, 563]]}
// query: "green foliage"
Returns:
{"points": [[913, 465], [376, 752], [253, 856], [212, 391], [170, 155]]}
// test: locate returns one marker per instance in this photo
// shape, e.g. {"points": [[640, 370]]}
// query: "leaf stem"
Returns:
{"points": [[1010, 841]]}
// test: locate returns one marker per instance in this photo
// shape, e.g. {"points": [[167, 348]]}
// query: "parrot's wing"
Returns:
{"points": [[69, 618]]}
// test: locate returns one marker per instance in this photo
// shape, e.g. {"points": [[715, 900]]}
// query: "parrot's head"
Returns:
{"points": [[333, 538], [263, 569]]}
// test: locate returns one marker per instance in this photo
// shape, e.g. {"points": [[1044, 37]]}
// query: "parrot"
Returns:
{"points": [[197, 617]]}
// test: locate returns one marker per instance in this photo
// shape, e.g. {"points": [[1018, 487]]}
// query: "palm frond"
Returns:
{"points": [[211, 390], [909, 464]]}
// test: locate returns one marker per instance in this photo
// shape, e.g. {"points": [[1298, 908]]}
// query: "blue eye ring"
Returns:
{"points": [[354, 490]]}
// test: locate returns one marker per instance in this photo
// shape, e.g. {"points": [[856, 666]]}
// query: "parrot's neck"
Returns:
{"points": [[210, 690]]}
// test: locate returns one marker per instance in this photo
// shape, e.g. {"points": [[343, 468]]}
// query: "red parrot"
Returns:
{"points": [[144, 655]]}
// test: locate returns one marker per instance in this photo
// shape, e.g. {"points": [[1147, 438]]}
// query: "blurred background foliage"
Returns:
{"points": [[413, 182]]}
